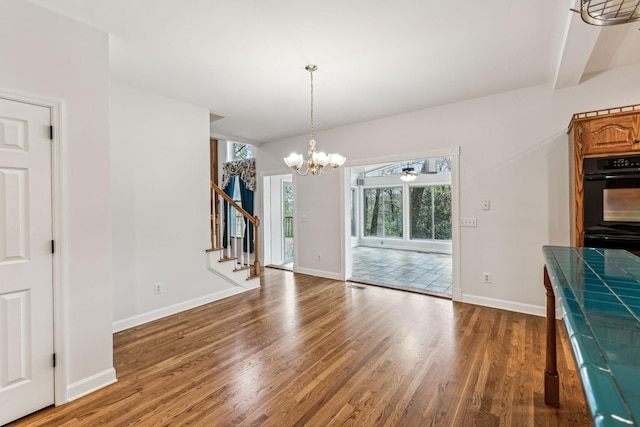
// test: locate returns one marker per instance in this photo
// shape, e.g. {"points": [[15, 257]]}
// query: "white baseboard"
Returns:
{"points": [[140, 319], [504, 305], [91, 384], [320, 273]]}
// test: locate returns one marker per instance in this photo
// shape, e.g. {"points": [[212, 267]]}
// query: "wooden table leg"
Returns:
{"points": [[551, 380]]}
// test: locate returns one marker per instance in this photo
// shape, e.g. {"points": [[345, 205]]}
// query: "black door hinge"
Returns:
{"points": [[51, 133], [54, 360], [53, 246]]}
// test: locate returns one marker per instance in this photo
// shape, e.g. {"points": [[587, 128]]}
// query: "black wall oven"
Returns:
{"points": [[612, 202]]}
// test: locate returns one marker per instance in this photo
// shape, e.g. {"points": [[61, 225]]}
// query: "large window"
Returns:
{"points": [[383, 212], [430, 212]]}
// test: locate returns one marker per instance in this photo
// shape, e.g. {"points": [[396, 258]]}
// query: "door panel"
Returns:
{"points": [[26, 262]]}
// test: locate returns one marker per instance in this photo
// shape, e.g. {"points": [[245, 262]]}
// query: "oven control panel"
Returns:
{"points": [[618, 163]]}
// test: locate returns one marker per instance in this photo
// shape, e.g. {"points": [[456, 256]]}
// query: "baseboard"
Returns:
{"points": [[319, 273], [140, 319], [91, 384], [504, 305]]}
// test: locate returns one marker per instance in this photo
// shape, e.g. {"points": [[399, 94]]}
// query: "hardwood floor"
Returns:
{"points": [[308, 351]]}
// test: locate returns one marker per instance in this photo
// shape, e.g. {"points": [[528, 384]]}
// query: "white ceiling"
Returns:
{"points": [[244, 59]]}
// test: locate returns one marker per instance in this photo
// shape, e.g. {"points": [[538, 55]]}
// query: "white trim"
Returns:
{"points": [[456, 261], [400, 244], [319, 273], [59, 215], [90, 384], [150, 316], [535, 310]]}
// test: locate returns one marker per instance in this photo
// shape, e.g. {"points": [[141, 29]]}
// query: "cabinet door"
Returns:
{"points": [[610, 135]]}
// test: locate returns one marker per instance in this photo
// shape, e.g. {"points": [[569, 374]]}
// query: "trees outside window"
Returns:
{"points": [[383, 212], [430, 212]]}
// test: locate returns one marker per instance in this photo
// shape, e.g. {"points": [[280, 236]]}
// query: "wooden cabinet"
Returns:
{"points": [[611, 135], [610, 132]]}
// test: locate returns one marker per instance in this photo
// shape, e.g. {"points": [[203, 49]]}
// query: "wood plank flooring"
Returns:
{"points": [[309, 351]]}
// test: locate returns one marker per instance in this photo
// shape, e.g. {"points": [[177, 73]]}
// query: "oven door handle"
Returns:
{"points": [[610, 177]]}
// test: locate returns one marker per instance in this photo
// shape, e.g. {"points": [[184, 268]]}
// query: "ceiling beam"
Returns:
{"points": [[579, 42]]}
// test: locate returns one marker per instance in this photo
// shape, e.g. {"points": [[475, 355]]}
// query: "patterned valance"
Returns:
{"points": [[246, 168]]}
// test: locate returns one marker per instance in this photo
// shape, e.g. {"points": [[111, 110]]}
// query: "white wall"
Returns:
{"points": [[161, 226], [45, 55], [514, 152]]}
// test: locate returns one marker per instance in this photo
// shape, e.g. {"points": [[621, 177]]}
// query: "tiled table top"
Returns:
{"points": [[598, 291]]}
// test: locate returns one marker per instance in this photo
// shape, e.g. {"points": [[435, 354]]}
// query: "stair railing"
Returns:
{"points": [[235, 248]]}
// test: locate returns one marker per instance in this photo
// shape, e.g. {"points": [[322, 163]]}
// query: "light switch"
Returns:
{"points": [[468, 222]]}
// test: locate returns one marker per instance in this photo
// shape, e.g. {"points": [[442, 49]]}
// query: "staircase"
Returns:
{"points": [[230, 255]]}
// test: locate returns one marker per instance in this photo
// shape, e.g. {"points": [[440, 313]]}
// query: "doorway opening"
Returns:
{"points": [[401, 215], [278, 212]]}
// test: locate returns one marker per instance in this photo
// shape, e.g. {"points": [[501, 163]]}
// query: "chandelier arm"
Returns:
{"points": [[324, 170], [305, 173]]}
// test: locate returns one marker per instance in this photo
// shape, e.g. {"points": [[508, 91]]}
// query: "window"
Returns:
{"points": [[236, 222], [383, 212], [425, 166], [241, 151], [430, 212]]}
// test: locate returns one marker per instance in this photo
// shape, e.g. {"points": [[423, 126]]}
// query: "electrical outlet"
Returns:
{"points": [[486, 205], [157, 288], [486, 277]]}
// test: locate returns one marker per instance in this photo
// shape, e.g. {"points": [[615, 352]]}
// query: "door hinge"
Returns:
{"points": [[53, 246], [51, 133], [54, 360]]}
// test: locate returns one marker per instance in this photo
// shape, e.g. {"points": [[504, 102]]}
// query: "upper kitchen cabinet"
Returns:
{"points": [[607, 132]]}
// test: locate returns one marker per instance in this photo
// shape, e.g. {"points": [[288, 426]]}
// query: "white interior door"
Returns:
{"points": [[26, 261]]}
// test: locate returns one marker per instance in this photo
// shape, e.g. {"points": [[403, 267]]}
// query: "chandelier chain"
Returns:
{"points": [[312, 125]]}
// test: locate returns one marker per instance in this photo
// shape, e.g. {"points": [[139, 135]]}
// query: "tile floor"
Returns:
{"points": [[424, 272]]}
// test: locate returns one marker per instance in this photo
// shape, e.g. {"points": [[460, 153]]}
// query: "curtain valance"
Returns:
{"points": [[245, 168]]}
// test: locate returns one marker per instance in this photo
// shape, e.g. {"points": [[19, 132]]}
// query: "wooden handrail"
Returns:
{"points": [[246, 214], [255, 270]]}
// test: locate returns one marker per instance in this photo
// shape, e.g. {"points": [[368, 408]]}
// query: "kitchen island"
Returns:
{"points": [[598, 291]]}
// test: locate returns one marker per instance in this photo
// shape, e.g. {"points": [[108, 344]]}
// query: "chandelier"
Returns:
{"points": [[318, 162]]}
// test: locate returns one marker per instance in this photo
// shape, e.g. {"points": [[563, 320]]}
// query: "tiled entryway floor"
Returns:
{"points": [[425, 272]]}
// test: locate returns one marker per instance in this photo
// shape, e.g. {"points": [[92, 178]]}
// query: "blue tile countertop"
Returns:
{"points": [[598, 291]]}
